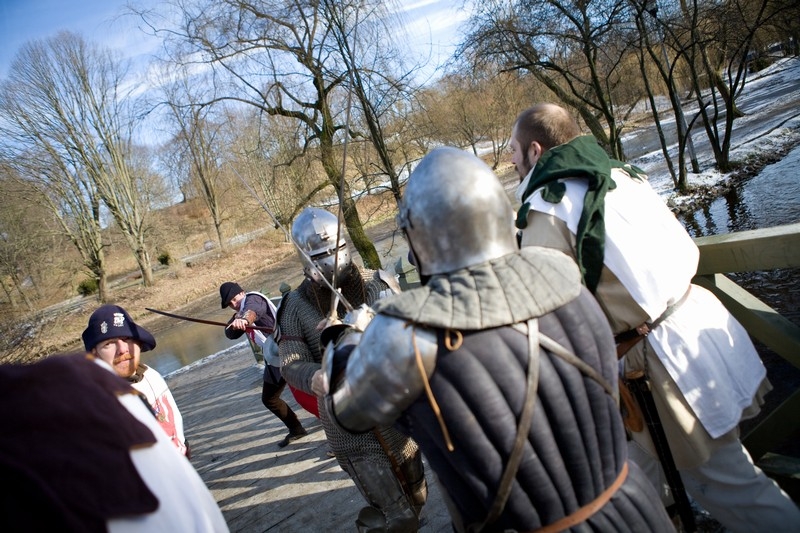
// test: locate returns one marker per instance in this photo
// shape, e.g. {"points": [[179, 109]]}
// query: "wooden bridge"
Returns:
{"points": [[752, 251], [260, 487]]}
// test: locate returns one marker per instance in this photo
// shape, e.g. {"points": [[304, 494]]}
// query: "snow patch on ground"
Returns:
{"points": [[767, 126]]}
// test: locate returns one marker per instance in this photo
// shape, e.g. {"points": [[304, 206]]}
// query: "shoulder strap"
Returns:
{"points": [[523, 427], [587, 370], [536, 340], [267, 299]]}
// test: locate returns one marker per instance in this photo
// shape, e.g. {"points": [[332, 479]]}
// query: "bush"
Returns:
{"points": [[164, 258], [87, 287], [759, 63]]}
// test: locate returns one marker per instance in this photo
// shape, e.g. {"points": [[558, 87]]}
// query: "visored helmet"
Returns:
{"points": [[455, 213], [315, 230]]}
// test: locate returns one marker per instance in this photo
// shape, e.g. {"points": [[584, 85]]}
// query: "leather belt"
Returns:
{"points": [[628, 339], [585, 512]]}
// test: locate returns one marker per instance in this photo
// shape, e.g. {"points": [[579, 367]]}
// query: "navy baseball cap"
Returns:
{"points": [[111, 322]]}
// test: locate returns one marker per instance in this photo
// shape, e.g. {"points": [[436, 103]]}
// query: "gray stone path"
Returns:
{"points": [[258, 486]]}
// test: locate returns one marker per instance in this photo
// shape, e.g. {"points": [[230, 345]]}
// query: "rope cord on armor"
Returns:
{"points": [[557, 349], [523, 427], [429, 393], [448, 343]]}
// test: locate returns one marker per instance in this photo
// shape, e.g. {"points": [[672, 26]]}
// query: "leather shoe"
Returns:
{"points": [[291, 437]]}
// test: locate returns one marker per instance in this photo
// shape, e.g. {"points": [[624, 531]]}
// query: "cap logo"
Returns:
{"points": [[103, 327], [119, 320]]}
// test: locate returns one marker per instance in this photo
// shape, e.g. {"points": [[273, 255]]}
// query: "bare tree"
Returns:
{"points": [[502, 94], [714, 41], [652, 53], [65, 100], [279, 56], [198, 144], [23, 240], [454, 111], [479, 107], [67, 193], [382, 84], [266, 151], [714, 44], [572, 47], [171, 158]]}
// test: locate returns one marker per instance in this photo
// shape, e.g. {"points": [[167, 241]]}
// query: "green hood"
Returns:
{"points": [[581, 158]]}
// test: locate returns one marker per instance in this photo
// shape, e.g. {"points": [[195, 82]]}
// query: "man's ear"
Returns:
{"points": [[534, 152]]}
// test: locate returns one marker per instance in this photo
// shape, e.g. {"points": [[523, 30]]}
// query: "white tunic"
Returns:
{"points": [[706, 351]]}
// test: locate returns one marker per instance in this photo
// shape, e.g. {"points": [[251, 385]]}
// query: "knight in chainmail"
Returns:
{"points": [[501, 366], [385, 465]]}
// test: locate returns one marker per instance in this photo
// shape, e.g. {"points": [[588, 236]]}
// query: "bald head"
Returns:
{"points": [[548, 124], [536, 130]]}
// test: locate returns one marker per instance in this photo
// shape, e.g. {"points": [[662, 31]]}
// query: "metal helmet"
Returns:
{"points": [[455, 213], [314, 230]]}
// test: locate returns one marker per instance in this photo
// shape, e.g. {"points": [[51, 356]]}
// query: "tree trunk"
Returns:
{"points": [[9, 294], [145, 266], [102, 286], [361, 242], [656, 120], [18, 285], [355, 228]]}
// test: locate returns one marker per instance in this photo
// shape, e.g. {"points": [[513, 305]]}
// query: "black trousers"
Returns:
{"points": [[271, 398]]}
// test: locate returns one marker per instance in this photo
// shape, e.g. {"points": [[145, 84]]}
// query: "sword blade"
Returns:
{"points": [[640, 387], [204, 321]]}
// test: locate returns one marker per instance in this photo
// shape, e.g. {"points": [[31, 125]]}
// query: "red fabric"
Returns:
{"points": [[306, 401]]}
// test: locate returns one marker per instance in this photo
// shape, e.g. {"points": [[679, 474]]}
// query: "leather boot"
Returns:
{"points": [[293, 436]]}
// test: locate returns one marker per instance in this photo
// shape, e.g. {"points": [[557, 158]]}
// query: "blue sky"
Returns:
{"points": [[97, 20], [430, 22]]}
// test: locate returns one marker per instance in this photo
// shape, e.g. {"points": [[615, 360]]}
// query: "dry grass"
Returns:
{"points": [[187, 287]]}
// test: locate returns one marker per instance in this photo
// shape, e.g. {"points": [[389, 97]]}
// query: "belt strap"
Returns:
{"points": [[628, 339], [585, 512]]}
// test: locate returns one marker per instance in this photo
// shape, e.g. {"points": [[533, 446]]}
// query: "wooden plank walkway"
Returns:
{"points": [[258, 486]]}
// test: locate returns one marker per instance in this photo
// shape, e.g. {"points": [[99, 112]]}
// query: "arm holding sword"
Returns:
{"points": [[251, 309], [202, 320]]}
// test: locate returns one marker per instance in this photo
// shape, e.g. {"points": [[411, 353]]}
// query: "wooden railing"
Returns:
{"points": [[752, 251]]}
